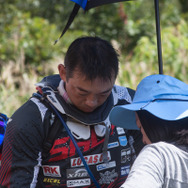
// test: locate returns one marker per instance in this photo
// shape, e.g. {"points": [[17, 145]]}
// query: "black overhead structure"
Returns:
{"points": [[88, 4], [158, 32]]}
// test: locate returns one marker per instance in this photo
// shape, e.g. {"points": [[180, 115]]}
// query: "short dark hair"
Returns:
{"points": [[162, 130], [93, 56]]}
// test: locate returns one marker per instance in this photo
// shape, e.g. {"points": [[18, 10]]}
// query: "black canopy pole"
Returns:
{"points": [[159, 48]]}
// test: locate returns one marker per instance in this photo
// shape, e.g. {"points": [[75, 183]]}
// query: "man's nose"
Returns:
{"points": [[91, 101]]}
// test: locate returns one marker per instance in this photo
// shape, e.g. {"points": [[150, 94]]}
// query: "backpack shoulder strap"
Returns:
{"points": [[54, 130]]}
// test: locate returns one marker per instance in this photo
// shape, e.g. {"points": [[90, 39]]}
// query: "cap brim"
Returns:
{"points": [[171, 110], [121, 117]]}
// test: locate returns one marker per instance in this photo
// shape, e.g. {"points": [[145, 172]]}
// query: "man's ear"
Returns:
{"points": [[62, 72]]}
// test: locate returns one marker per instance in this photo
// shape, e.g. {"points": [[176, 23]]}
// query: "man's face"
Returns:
{"points": [[85, 94]]}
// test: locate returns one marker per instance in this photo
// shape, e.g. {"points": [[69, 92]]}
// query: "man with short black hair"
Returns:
{"points": [[83, 93]]}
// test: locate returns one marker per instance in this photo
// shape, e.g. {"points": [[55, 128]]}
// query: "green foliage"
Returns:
{"points": [[29, 28], [144, 60], [33, 37]]}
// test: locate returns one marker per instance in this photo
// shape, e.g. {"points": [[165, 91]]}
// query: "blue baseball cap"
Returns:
{"points": [[163, 96]]}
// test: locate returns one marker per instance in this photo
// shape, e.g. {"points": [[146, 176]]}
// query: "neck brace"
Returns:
{"points": [[82, 131], [78, 122], [49, 86]]}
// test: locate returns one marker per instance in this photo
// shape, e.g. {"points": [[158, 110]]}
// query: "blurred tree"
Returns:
{"points": [[184, 5], [29, 28]]}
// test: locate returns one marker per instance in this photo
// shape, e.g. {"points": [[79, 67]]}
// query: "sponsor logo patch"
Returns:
{"points": [[113, 145], [123, 140], [106, 165], [52, 171], [52, 181], [90, 160], [120, 130], [77, 183], [125, 170], [108, 177], [125, 155], [77, 173]]}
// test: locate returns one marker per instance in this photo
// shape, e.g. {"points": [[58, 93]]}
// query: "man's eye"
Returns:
{"points": [[103, 95], [82, 94]]}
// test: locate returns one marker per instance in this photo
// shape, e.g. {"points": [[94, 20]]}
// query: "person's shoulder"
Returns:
{"points": [[159, 145], [163, 148], [31, 111], [51, 81], [162, 145], [152, 152]]}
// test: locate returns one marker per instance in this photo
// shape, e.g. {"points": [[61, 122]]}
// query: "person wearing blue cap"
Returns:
{"points": [[161, 106]]}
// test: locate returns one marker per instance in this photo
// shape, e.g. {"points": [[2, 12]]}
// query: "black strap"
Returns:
{"points": [[70, 20]]}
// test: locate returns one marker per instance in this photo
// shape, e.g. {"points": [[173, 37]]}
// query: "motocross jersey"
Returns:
{"points": [[23, 163]]}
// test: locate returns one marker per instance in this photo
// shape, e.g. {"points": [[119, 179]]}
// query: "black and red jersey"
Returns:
{"points": [[23, 164]]}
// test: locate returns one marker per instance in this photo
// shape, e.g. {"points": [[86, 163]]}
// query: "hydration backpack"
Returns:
{"points": [[3, 125]]}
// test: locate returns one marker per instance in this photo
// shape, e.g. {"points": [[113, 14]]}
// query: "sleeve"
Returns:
{"points": [[147, 170], [21, 155]]}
